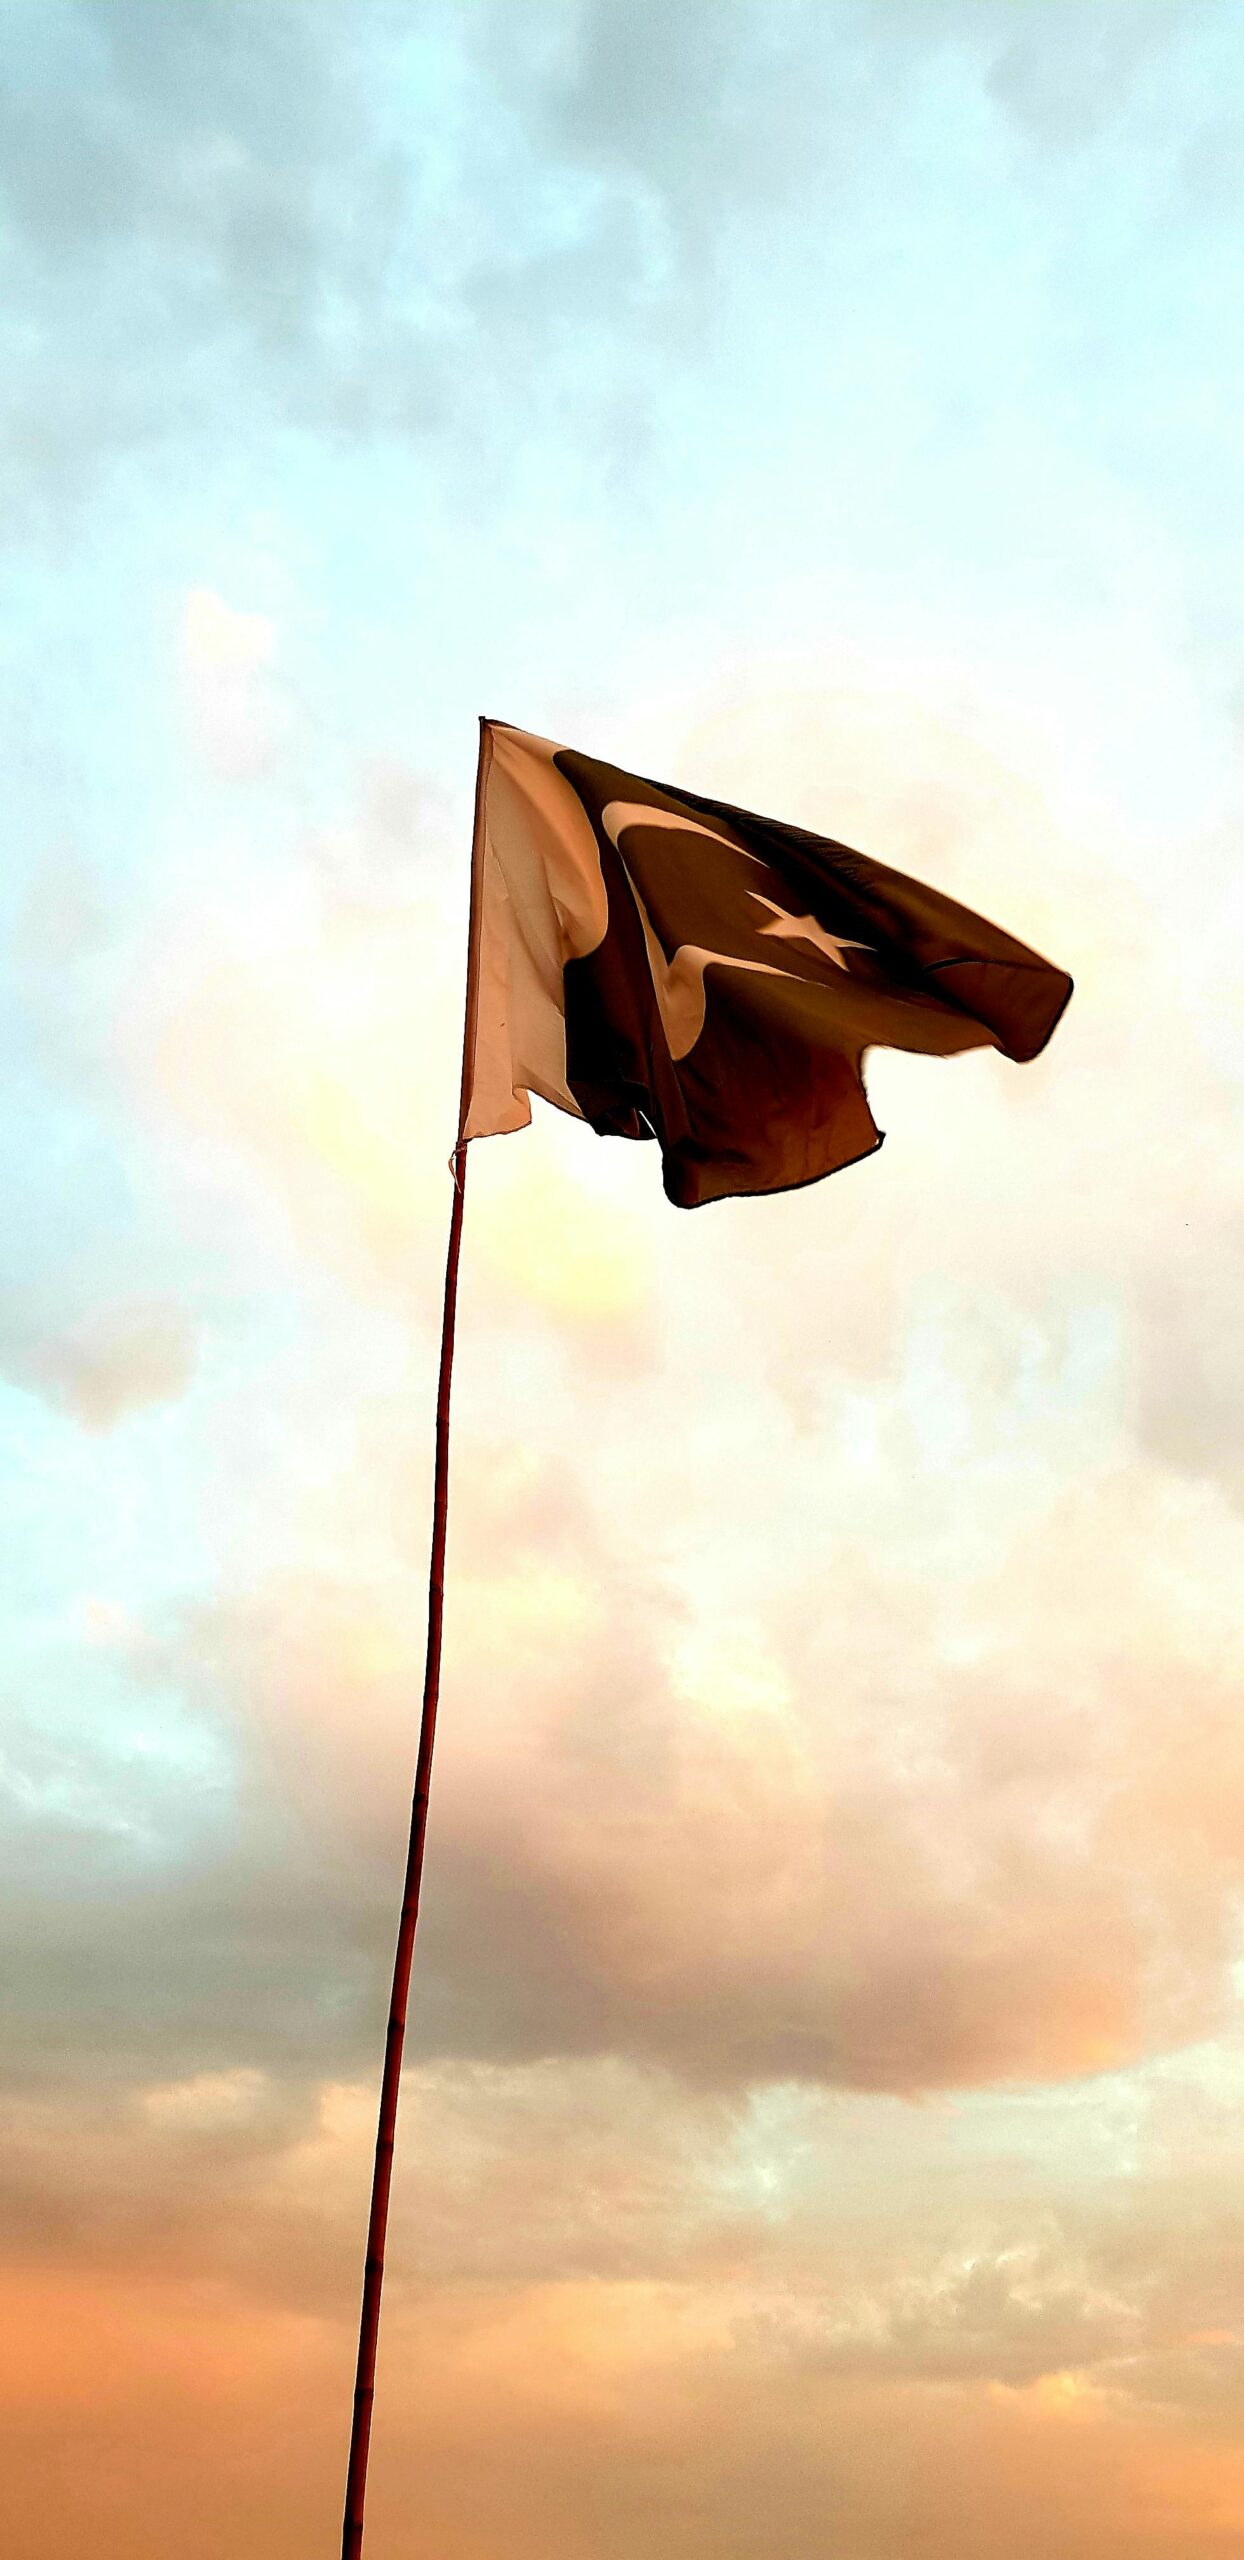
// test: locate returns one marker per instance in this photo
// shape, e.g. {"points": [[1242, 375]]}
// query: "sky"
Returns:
{"points": [[822, 2131]]}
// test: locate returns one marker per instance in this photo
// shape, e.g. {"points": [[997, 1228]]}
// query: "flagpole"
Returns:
{"points": [[382, 2173]]}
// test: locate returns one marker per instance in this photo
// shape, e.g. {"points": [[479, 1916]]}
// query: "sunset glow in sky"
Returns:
{"points": [[824, 2130]]}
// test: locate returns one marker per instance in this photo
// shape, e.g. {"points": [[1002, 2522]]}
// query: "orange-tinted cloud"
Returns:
{"points": [[889, 1846], [560, 2422]]}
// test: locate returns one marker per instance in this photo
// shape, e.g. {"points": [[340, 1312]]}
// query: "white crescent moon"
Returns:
{"points": [[680, 991]]}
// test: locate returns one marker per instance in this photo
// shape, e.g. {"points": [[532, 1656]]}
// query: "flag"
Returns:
{"points": [[666, 966]]}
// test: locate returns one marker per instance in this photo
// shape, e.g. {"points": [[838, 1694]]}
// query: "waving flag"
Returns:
{"points": [[667, 966]]}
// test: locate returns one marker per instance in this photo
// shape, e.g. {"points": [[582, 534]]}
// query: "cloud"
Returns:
{"points": [[197, 234], [114, 1359], [895, 1843], [269, 217], [826, 1730], [1065, 83], [835, 1829], [727, 117], [118, 1360], [225, 655], [63, 916], [614, 2417], [1013, 1882]]}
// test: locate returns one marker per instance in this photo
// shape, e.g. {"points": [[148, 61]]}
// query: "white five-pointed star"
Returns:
{"points": [[788, 928], [679, 982]]}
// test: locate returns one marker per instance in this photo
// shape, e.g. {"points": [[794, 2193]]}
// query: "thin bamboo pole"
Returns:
{"points": [[382, 2174]]}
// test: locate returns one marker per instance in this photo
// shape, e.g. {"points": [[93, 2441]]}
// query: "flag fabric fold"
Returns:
{"points": [[667, 966]]}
